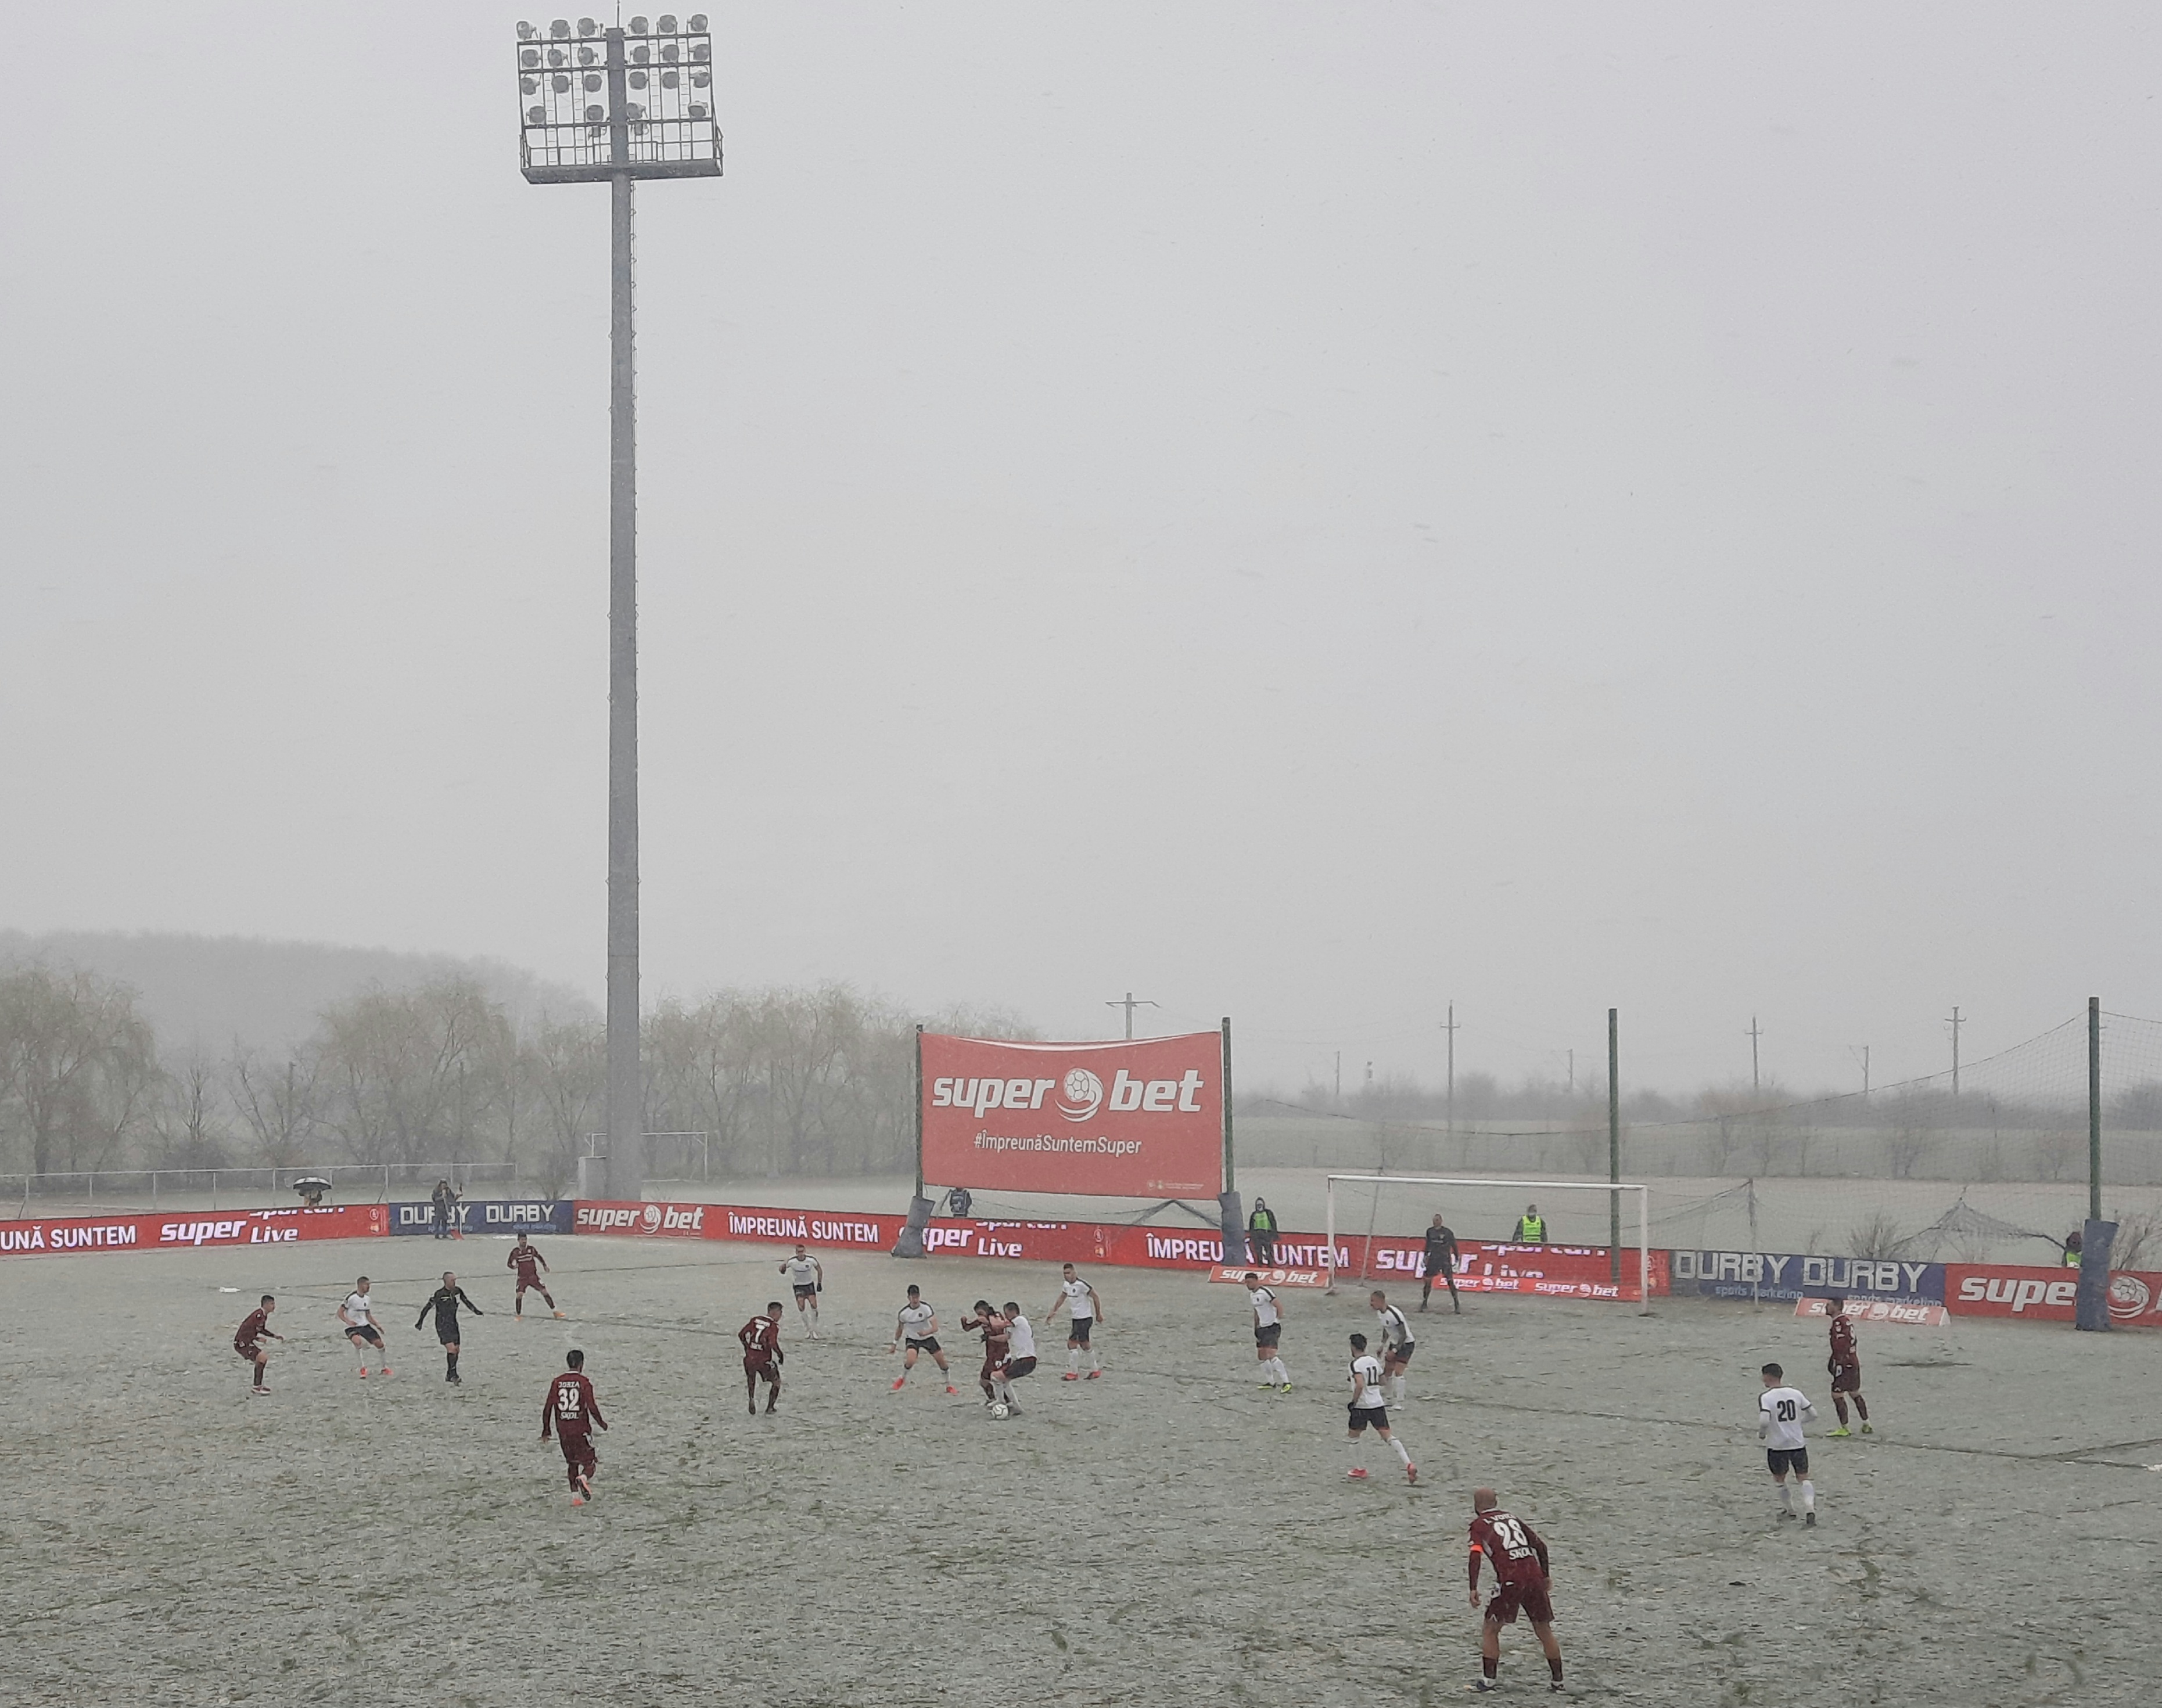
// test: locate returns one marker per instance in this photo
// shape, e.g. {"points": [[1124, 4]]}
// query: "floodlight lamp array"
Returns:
{"points": [[598, 103]]}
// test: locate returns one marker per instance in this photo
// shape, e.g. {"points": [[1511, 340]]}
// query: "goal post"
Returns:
{"points": [[1536, 1187]]}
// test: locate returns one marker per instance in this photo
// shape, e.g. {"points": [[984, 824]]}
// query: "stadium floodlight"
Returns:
{"points": [[592, 111]]}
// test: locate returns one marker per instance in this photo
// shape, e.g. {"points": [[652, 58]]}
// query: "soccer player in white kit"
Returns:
{"points": [[357, 1314], [1397, 1343], [1369, 1411], [1268, 1333], [917, 1325], [808, 1278], [1781, 1411], [1084, 1310]]}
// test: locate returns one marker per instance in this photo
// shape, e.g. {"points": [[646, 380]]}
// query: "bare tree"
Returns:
{"points": [[276, 1104], [189, 1128], [77, 1066]]}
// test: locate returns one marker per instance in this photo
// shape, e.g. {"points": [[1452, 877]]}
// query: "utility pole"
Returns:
{"points": [[1860, 1053], [1572, 1073], [1756, 1031], [1340, 1076], [1129, 1005], [1449, 1027], [611, 106], [1956, 1022]]}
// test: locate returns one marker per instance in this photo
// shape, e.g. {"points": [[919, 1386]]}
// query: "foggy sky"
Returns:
{"points": [[1305, 513]]}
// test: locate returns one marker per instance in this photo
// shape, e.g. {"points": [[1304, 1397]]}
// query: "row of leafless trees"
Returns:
{"points": [[811, 1081]]}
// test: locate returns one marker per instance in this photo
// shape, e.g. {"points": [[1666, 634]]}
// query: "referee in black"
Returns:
{"points": [[1441, 1257], [444, 1302]]}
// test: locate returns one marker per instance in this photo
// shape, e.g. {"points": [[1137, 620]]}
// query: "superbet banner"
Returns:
{"points": [[1143, 1119], [194, 1228], [2047, 1295]]}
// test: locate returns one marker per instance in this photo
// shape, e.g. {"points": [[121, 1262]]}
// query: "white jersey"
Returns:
{"points": [[915, 1322], [1079, 1299], [1021, 1339], [359, 1310], [1368, 1369], [1395, 1327], [1782, 1411], [1265, 1306], [802, 1272]]}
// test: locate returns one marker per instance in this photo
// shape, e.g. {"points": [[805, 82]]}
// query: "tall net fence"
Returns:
{"points": [[1987, 1166]]}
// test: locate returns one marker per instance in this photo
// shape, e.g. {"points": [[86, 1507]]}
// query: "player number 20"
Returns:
{"points": [[1786, 1411]]}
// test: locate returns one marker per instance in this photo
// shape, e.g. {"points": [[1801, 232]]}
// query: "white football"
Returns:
{"points": [[998, 1410]]}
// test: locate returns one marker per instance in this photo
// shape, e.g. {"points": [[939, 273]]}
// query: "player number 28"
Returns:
{"points": [[1512, 1535]]}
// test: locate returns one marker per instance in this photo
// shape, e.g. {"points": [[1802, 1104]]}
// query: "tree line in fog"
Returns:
{"points": [[817, 1081]]}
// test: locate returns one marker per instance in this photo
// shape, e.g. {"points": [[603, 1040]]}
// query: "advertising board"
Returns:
{"points": [[1139, 1119]]}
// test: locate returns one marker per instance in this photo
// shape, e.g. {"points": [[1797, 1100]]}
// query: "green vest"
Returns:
{"points": [[2071, 1262], [1263, 1221], [1531, 1230]]}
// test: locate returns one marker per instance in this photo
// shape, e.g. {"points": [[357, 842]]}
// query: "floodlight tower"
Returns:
{"points": [[611, 106]]}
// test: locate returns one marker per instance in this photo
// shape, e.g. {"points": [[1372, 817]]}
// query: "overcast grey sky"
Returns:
{"points": [[1304, 512]]}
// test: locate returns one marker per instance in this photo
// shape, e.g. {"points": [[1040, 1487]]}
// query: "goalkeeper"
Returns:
{"points": [[1440, 1260]]}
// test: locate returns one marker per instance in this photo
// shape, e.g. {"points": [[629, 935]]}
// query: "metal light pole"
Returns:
{"points": [[612, 105]]}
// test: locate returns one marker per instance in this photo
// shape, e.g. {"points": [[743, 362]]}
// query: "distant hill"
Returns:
{"points": [[206, 992]]}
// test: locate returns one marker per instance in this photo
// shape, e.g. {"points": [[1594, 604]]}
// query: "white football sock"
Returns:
{"points": [[1400, 1390], [1786, 1497], [1283, 1375], [1403, 1452], [1095, 1358], [1809, 1497], [1074, 1358]]}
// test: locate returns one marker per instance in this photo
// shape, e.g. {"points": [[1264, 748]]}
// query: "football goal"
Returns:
{"points": [[1373, 1251]]}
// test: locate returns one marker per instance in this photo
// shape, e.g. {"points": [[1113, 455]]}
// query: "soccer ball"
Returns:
{"points": [[998, 1410]]}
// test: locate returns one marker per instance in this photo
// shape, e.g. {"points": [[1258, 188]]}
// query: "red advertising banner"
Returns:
{"points": [[173, 1231], [2009, 1290], [1143, 1119], [1561, 1272]]}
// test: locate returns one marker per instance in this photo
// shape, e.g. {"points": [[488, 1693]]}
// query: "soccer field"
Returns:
{"points": [[1169, 1533]]}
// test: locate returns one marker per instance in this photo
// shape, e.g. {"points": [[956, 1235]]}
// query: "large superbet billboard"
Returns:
{"points": [[1139, 1119]]}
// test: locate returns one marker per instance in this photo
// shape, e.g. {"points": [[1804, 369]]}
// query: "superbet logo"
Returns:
{"points": [[1083, 1094]]}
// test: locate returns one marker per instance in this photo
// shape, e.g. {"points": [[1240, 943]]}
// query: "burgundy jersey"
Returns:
{"points": [[760, 1337], [1843, 1355], [571, 1405], [527, 1263], [1510, 1545], [256, 1322], [995, 1329]]}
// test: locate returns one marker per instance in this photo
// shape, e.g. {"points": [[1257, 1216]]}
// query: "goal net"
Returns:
{"points": [[1554, 1237]]}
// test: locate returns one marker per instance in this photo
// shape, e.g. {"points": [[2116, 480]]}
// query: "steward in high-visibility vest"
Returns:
{"points": [[2072, 1246], [1531, 1228]]}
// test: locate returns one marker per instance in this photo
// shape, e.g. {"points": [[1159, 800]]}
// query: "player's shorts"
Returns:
{"points": [[762, 1365], [810, 1292], [1529, 1599], [1780, 1461], [368, 1333], [1846, 1380], [1017, 1368], [448, 1336], [1079, 1331], [1401, 1355], [929, 1344], [578, 1446], [530, 1283], [1362, 1416], [1268, 1335], [1434, 1267], [252, 1350]]}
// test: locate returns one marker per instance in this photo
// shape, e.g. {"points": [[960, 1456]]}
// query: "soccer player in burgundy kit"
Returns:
{"points": [[248, 1340], [527, 1260], [1845, 1365], [997, 1348], [1519, 1558], [571, 1410], [761, 1345]]}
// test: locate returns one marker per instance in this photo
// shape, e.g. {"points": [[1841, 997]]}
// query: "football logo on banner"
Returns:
{"points": [[1142, 1118]]}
